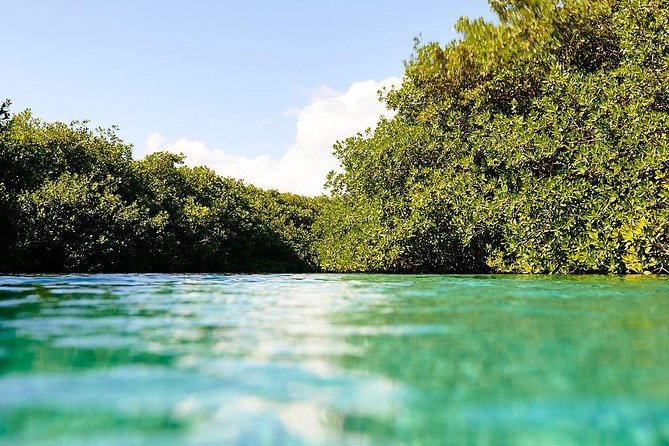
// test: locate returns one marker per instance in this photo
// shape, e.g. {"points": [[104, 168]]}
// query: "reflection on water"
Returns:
{"points": [[328, 359]]}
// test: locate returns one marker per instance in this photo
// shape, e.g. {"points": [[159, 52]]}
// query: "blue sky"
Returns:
{"points": [[231, 75]]}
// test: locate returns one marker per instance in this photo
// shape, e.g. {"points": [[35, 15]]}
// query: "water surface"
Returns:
{"points": [[330, 359]]}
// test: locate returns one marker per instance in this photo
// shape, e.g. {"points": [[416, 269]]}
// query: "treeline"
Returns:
{"points": [[535, 144], [72, 199]]}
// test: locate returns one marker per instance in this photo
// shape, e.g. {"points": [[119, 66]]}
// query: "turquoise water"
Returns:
{"points": [[329, 359]]}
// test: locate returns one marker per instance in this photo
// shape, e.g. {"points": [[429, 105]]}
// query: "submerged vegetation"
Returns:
{"points": [[538, 144]]}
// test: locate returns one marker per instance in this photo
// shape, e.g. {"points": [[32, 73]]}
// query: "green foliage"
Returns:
{"points": [[72, 199], [292, 218], [4, 111], [539, 144], [77, 224]]}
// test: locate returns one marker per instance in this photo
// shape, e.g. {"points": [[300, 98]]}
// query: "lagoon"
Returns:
{"points": [[333, 359]]}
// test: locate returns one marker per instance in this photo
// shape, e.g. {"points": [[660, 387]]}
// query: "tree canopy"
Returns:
{"points": [[536, 144], [73, 199]]}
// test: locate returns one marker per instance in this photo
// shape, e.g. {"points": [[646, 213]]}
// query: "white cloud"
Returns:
{"points": [[153, 142], [303, 168]]}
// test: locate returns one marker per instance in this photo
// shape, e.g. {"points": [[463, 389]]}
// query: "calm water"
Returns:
{"points": [[327, 359]]}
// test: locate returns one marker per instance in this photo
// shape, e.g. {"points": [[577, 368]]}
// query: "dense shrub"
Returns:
{"points": [[72, 199], [536, 144]]}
